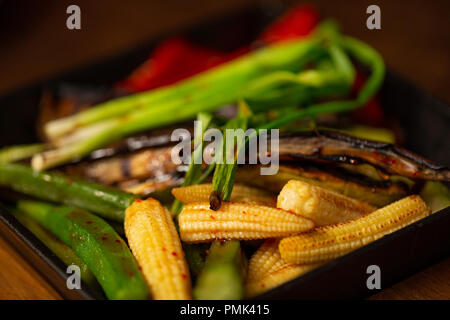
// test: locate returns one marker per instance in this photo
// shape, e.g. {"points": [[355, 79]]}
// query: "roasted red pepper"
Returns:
{"points": [[371, 114], [295, 23], [173, 60], [177, 58]]}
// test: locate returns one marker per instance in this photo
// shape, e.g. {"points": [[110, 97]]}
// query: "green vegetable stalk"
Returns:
{"points": [[195, 253], [15, 153], [289, 55], [195, 257], [107, 202], [194, 171], [223, 274], [202, 93], [97, 244], [225, 171], [364, 54], [436, 195], [60, 249]]}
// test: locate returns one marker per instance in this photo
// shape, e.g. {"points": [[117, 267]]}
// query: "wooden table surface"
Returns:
{"points": [[35, 44]]}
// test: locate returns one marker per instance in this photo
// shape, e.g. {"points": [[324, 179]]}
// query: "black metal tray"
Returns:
{"points": [[424, 120]]}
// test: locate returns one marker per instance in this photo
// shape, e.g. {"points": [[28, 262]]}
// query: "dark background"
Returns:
{"points": [[35, 43]]}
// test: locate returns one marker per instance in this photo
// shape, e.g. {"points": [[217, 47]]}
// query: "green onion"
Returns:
{"points": [[194, 171], [20, 152]]}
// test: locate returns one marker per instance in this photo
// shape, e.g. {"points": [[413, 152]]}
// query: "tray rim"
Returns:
{"points": [[9, 224]]}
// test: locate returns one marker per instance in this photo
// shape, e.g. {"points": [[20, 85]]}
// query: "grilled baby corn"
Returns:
{"points": [[154, 242], [326, 243], [267, 269], [277, 278], [238, 221], [322, 206], [266, 259], [241, 193]]}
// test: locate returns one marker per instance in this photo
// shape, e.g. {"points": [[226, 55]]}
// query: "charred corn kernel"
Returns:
{"points": [[276, 278], [241, 193], [267, 258], [326, 243], [238, 221], [154, 242], [322, 206]]}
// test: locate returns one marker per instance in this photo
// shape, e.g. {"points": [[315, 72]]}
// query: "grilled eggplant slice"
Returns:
{"points": [[336, 147], [149, 163]]}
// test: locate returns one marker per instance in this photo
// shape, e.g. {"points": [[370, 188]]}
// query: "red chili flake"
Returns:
{"points": [[212, 217], [88, 222], [140, 268], [118, 241], [263, 285], [104, 238], [138, 200], [244, 212], [174, 253], [184, 276], [164, 249], [206, 252], [415, 173]]}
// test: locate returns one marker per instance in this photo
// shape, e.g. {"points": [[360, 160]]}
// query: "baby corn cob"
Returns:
{"points": [[241, 193], [154, 241], [277, 277], [322, 206], [326, 243], [238, 221], [266, 259], [267, 269]]}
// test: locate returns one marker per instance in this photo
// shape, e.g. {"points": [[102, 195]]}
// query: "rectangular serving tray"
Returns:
{"points": [[424, 120]]}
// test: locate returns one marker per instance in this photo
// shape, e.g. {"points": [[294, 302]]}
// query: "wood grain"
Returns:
{"points": [[35, 44], [18, 280]]}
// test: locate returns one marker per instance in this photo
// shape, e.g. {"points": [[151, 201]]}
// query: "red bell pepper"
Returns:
{"points": [[177, 58]]}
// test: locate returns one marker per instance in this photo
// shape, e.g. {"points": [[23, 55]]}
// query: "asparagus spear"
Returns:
{"points": [[107, 202], [60, 249], [96, 242], [223, 273]]}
